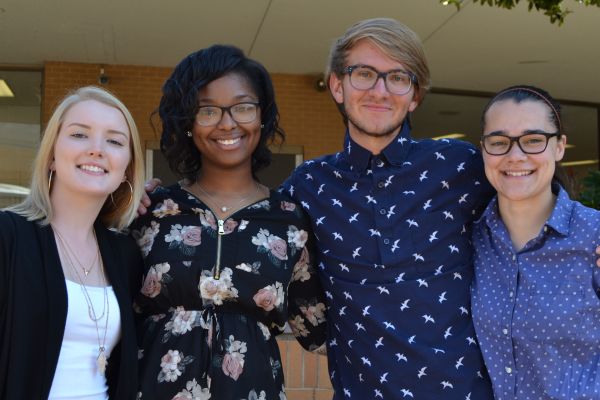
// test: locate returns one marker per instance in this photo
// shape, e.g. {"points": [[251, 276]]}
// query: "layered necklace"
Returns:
{"points": [[70, 255], [236, 205]]}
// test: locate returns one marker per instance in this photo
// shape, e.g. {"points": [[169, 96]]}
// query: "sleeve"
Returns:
{"points": [[288, 186], [306, 301], [7, 235]]}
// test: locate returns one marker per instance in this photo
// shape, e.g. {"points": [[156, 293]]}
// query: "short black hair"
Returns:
{"points": [[179, 106]]}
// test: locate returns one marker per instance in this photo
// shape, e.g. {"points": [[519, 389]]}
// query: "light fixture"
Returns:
{"points": [[5, 89], [14, 190], [450, 136], [578, 163], [569, 146]]}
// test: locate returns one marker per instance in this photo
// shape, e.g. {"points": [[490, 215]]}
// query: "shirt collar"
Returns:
{"points": [[395, 153]]}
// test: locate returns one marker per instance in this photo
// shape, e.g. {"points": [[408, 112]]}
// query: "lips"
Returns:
{"points": [[229, 142], [518, 173], [92, 168]]}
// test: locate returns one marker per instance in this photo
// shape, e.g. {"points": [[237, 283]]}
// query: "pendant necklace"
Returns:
{"points": [[224, 209]]}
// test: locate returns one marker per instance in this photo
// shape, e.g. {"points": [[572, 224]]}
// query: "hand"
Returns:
{"points": [[149, 187]]}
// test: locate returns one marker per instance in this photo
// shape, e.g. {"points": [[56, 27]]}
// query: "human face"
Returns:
{"points": [[228, 144], [517, 176], [92, 150], [374, 112]]}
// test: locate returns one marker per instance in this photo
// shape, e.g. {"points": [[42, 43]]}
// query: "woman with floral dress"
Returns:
{"points": [[227, 262]]}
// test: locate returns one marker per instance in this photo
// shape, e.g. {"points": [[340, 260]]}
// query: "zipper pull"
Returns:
{"points": [[221, 230]]}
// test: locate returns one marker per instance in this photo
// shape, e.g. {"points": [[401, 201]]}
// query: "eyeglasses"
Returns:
{"points": [[364, 77], [529, 143], [241, 113]]}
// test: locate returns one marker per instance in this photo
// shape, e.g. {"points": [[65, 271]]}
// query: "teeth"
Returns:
{"points": [[91, 168], [228, 141], [517, 173]]}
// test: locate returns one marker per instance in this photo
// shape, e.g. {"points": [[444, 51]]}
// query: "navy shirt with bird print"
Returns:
{"points": [[395, 259]]}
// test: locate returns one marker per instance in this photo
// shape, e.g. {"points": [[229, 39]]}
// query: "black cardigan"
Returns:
{"points": [[33, 308]]}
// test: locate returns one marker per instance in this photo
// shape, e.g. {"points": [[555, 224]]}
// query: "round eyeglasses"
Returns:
{"points": [[242, 113], [529, 143], [364, 77]]}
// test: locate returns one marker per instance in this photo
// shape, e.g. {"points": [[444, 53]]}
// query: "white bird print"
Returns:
{"points": [[401, 357], [422, 282], [463, 310], [406, 392], [445, 185], [457, 275], [471, 341], [337, 236], [378, 393], [447, 384], [347, 393], [328, 294], [374, 232], [408, 192], [442, 297], [402, 139], [439, 156], [389, 325], [353, 218], [336, 202], [428, 318], [344, 267], [404, 305], [337, 174], [348, 360], [380, 163], [447, 333], [433, 236], [468, 394], [391, 212], [418, 257], [320, 220], [305, 205], [460, 167], [333, 343], [400, 278], [423, 176], [395, 245], [365, 311], [448, 214], [359, 326], [383, 290], [427, 204], [363, 280], [438, 270], [412, 222], [308, 177], [360, 378], [354, 187], [321, 265], [435, 351], [479, 374], [422, 373], [453, 249], [291, 190], [411, 339], [379, 342], [342, 310], [459, 363], [356, 253], [371, 199], [388, 181], [365, 361], [321, 188], [463, 198], [347, 296], [350, 343], [383, 378]]}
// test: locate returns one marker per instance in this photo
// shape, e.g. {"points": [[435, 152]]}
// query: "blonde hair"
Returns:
{"points": [[394, 39], [120, 208]]}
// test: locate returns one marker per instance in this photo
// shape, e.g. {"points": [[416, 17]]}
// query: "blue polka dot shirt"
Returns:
{"points": [[536, 311]]}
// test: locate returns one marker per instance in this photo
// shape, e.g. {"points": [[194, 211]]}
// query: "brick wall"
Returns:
{"points": [[309, 118]]}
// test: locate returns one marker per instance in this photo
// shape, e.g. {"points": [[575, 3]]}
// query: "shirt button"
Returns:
{"points": [[381, 185], [514, 257], [382, 211], [386, 241], [545, 229], [505, 331], [510, 294], [508, 370]]}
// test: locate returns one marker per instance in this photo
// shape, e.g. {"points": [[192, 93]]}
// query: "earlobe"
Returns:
{"points": [[560, 147], [336, 88]]}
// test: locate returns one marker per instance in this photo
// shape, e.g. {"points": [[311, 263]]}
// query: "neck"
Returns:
{"points": [[72, 215], [225, 181], [525, 219], [374, 143]]}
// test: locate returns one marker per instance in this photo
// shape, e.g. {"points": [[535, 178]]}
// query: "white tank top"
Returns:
{"points": [[77, 375]]}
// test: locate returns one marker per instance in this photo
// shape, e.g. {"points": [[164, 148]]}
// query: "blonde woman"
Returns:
{"points": [[66, 274]]}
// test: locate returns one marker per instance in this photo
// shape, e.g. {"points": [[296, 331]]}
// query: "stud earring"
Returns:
{"points": [[189, 134], [262, 126]]}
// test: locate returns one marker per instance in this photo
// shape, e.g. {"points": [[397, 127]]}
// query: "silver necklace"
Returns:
{"points": [[227, 208], [101, 360]]}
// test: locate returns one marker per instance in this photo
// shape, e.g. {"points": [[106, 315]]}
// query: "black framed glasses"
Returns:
{"points": [[529, 143], [241, 113], [364, 77]]}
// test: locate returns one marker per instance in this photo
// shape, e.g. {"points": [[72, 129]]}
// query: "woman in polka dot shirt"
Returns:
{"points": [[534, 298]]}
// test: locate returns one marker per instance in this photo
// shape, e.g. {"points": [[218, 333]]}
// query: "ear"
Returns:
{"points": [[561, 144], [414, 103], [336, 88], [52, 167]]}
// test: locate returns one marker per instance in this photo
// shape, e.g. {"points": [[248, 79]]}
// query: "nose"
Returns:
{"points": [[96, 148], [227, 122], [379, 86], [515, 152]]}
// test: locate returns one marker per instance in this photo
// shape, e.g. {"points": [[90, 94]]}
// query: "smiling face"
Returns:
{"points": [[517, 176], [92, 150], [228, 144], [375, 112]]}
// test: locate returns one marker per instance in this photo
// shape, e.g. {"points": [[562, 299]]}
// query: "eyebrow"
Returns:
{"points": [[238, 97], [89, 127], [525, 132]]}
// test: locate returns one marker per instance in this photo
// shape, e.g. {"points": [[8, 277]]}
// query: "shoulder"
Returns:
{"points": [[448, 147], [290, 209], [12, 223]]}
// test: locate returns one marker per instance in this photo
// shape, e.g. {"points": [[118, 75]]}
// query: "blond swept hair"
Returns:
{"points": [[394, 39], [119, 209]]}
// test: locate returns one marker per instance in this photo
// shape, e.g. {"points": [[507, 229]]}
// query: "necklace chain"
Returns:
{"points": [[101, 360], [227, 208]]}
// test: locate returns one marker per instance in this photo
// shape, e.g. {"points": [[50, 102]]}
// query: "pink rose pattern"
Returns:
{"points": [[264, 260]]}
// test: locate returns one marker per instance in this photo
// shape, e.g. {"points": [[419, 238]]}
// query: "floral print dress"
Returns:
{"points": [[216, 293]]}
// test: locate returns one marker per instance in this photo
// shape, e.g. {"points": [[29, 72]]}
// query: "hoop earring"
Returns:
{"points": [[112, 199], [50, 180]]}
